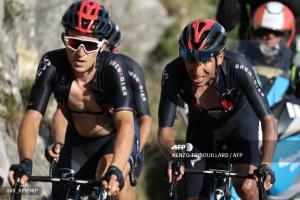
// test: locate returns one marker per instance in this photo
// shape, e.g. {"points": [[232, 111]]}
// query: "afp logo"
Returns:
{"points": [[188, 147]]}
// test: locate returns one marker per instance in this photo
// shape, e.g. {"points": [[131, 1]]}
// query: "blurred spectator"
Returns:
{"points": [[232, 12], [273, 27]]}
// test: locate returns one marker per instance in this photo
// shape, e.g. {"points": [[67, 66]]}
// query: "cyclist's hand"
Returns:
{"points": [[267, 175], [113, 180], [175, 168], [53, 151], [22, 170], [111, 186]]}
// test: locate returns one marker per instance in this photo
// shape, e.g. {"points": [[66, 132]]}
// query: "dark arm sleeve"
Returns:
{"points": [[118, 85], [168, 97], [43, 86], [246, 80], [140, 95], [228, 13]]}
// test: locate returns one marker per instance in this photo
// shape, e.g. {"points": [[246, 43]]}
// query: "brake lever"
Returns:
{"points": [[52, 167], [16, 193], [261, 189], [175, 172], [133, 180]]}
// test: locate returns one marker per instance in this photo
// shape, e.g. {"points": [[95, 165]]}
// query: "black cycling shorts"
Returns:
{"points": [[82, 154], [208, 137]]}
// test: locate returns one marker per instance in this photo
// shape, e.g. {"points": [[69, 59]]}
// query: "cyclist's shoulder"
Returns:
{"points": [[53, 63], [56, 54], [110, 67], [233, 58], [107, 59], [54, 58], [176, 65], [130, 62], [174, 72]]}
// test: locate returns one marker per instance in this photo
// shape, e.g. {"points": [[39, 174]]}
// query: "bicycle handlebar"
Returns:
{"points": [[70, 180], [16, 195], [219, 172]]}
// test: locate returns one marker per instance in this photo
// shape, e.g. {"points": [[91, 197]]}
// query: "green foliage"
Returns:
{"points": [[172, 7], [25, 89], [13, 108], [12, 10], [168, 45], [191, 8]]}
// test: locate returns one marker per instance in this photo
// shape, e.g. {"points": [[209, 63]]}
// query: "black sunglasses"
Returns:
{"points": [[265, 31]]}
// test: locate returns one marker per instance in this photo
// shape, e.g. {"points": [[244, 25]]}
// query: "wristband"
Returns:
{"points": [[175, 165], [265, 170], [114, 170], [26, 165]]}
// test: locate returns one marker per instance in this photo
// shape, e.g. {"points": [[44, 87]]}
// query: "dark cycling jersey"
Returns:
{"points": [[138, 85], [235, 85], [110, 84]]}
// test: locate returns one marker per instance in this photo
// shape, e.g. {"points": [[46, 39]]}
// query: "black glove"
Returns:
{"points": [[24, 168], [175, 165], [264, 170], [113, 170]]}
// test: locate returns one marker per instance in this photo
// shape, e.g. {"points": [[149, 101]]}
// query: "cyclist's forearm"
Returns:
{"points": [[123, 147], [124, 140], [166, 140], [269, 130], [59, 127], [28, 134], [145, 129]]}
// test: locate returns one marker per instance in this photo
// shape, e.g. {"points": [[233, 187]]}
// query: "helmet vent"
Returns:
{"points": [[201, 25], [203, 37], [214, 37]]}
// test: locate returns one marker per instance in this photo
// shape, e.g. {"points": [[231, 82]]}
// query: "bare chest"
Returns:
{"points": [[208, 98], [81, 98]]}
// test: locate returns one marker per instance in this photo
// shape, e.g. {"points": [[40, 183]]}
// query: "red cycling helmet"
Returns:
{"points": [[277, 17], [202, 39], [89, 17]]}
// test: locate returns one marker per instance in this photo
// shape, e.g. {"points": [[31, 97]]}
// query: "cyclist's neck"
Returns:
{"points": [[84, 77]]}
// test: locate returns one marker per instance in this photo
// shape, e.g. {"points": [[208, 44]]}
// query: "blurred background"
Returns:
{"points": [[150, 31]]}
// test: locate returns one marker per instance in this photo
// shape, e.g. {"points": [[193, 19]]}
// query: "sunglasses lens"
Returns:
{"points": [[75, 43], [194, 56], [263, 31], [90, 46]]}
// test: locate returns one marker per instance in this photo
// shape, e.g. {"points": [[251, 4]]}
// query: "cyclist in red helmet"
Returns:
{"points": [[93, 91], [137, 82], [225, 106]]}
